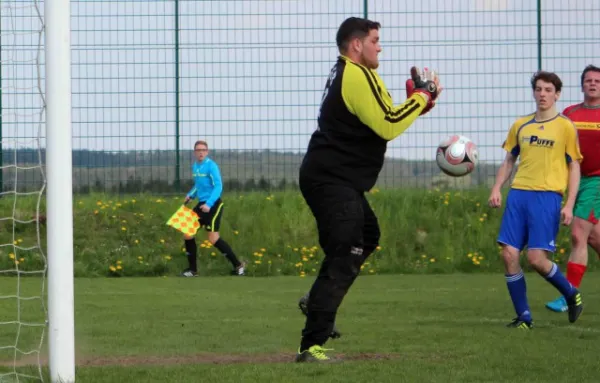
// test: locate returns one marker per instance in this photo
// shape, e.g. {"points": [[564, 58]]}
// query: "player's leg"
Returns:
{"points": [[371, 231], [577, 264], [214, 219], [544, 216], [317, 204], [191, 250], [585, 223], [594, 239], [340, 219], [586, 208], [513, 237]]}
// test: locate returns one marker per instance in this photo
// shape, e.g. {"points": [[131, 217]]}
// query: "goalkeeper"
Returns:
{"points": [[356, 120]]}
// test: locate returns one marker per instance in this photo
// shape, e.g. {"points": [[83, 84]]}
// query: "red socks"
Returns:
{"points": [[575, 273]]}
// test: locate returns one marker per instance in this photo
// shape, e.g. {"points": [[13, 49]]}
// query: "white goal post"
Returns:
{"points": [[61, 331]]}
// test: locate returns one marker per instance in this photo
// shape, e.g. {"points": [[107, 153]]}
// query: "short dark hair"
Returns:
{"points": [[354, 27], [589, 68], [547, 77], [200, 142]]}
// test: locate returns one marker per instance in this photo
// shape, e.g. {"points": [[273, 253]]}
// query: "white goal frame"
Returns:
{"points": [[61, 316]]}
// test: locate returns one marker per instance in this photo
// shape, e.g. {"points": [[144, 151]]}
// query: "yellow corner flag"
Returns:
{"points": [[185, 220]]}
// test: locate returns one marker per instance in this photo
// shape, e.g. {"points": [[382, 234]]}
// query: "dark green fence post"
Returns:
{"points": [[539, 33], [177, 149], [1, 111], [366, 9]]}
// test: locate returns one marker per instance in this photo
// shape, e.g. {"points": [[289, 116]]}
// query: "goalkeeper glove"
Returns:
{"points": [[424, 82]]}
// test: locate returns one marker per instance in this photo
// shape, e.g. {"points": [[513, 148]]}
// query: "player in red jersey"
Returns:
{"points": [[585, 229]]}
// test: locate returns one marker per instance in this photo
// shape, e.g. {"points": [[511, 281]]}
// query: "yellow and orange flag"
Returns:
{"points": [[185, 220]]}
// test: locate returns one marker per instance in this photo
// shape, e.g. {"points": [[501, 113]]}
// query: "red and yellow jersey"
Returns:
{"points": [[587, 121], [545, 148]]}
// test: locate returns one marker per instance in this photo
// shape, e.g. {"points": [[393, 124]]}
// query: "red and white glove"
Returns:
{"points": [[425, 82]]}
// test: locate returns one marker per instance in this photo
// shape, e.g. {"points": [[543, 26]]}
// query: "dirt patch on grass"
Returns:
{"points": [[215, 359], [206, 358], [210, 358]]}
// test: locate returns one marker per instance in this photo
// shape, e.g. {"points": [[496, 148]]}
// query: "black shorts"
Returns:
{"points": [[211, 221]]}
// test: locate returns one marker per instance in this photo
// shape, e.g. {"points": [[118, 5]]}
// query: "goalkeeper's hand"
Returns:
{"points": [[425, 82]]}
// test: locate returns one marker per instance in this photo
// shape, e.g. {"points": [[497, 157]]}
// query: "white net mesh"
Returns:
{"points": [[23, 265]]}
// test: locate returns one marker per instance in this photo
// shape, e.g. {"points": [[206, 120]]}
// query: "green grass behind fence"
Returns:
{"points": [[423, 231]]}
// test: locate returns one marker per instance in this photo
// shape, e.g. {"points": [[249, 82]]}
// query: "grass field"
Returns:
{"points": [[395, 328], [431, 303]]}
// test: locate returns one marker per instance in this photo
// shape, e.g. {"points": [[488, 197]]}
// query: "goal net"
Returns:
{"points": [[22, 184], [35, 182]]}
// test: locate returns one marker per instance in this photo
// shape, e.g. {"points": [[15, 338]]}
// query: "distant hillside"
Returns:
{"points": [[242, 170]]}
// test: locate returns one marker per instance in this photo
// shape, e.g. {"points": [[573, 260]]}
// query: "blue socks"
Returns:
{"points": [[558, 280], [518, 290], [518, 293]]}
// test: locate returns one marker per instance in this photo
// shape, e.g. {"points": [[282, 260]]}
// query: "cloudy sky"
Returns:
{"points": [[252, 72]]}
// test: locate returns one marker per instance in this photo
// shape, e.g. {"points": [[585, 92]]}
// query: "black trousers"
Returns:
{"points": [[348, 234]]}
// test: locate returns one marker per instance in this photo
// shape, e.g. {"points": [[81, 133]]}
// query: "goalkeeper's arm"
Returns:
{"points": [[364, 98]]}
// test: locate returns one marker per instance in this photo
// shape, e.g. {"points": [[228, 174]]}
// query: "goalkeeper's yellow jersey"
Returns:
{"points": [[545, 148], [356, 119]]}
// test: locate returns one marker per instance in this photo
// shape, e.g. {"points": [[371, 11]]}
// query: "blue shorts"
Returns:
{"points": [[532, 219]]}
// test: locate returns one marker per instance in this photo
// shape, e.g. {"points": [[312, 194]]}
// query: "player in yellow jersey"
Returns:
{"points": [[546, 143]]}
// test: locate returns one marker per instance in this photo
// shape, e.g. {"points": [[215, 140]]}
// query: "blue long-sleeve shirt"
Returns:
{"points": [[208, 185]]}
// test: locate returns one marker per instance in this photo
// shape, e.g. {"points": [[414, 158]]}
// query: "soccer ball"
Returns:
{"points": [[457, 156]]}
